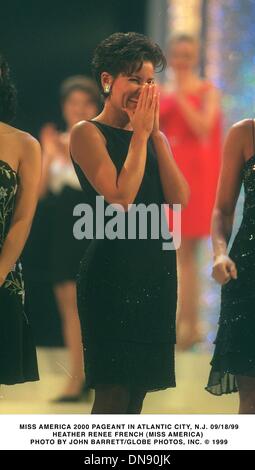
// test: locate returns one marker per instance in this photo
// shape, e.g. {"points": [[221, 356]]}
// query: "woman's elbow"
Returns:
{"points": [[181, 199], [223, 213]]}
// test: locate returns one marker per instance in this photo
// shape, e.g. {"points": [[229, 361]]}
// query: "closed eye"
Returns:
{"points": [[150, 82]]}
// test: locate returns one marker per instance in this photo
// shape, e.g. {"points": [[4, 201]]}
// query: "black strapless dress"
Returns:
{"points": [[235, 342], [127, 292], [17, 352]]}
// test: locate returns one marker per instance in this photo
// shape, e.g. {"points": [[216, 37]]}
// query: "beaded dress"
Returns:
{"points": [[235, 342]]}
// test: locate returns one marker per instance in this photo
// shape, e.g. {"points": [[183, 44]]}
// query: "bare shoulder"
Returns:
{"points": [[86, 130], [244, 124], [22, 145], [28, 141], [238, 142], [241, 130], [30, 149], [86, 141], [21, 138], [242, 133]]}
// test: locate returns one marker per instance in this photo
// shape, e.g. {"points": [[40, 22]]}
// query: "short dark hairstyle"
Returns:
{"points": [[125, 53], [8, 94], [81, 83]]}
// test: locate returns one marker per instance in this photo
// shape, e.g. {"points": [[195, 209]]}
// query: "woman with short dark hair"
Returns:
{"points": [[127, 287]]}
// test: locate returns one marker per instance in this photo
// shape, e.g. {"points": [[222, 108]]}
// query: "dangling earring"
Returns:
{"points": [[107, 88]]}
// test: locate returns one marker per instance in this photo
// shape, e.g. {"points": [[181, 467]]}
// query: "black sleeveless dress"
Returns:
{"points": [[127, 290], [235, 342], [17, 352]]}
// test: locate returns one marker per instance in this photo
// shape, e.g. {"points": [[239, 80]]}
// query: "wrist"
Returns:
{"points": [[218, 255], [156, 135], [141, 134]]}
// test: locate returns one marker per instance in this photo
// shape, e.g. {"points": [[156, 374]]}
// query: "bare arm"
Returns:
{"points": [[227, 194], [88, 148], [26, 200], [228, 190], [201, 121]]}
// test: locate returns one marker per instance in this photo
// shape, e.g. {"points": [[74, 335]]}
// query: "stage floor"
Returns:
{"points": [[189, 397]]}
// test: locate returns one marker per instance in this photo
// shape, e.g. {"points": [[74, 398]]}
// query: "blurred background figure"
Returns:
{"points": [[60, 193], [191, 119]]}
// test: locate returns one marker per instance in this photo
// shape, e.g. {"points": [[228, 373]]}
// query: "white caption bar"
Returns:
{"points": [[116, 432]]}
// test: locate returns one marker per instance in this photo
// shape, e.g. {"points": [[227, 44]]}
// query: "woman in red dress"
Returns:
{"points": [[190, 118]]}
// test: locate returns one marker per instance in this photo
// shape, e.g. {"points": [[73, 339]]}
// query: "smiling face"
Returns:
{"points": [[125, 89]]}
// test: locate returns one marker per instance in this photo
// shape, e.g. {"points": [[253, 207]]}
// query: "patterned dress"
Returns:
{"points": [[18, 361]]}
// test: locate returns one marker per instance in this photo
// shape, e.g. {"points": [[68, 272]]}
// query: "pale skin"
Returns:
{"points": [[133, 104], [22, 152], [183, 59], [238, 149]]}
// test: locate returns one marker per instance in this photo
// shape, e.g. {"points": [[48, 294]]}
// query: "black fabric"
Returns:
{"points": [[127, 292], [65, 250]]}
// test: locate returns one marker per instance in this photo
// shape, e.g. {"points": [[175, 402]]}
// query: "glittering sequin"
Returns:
{"points": [[235, 342]]}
